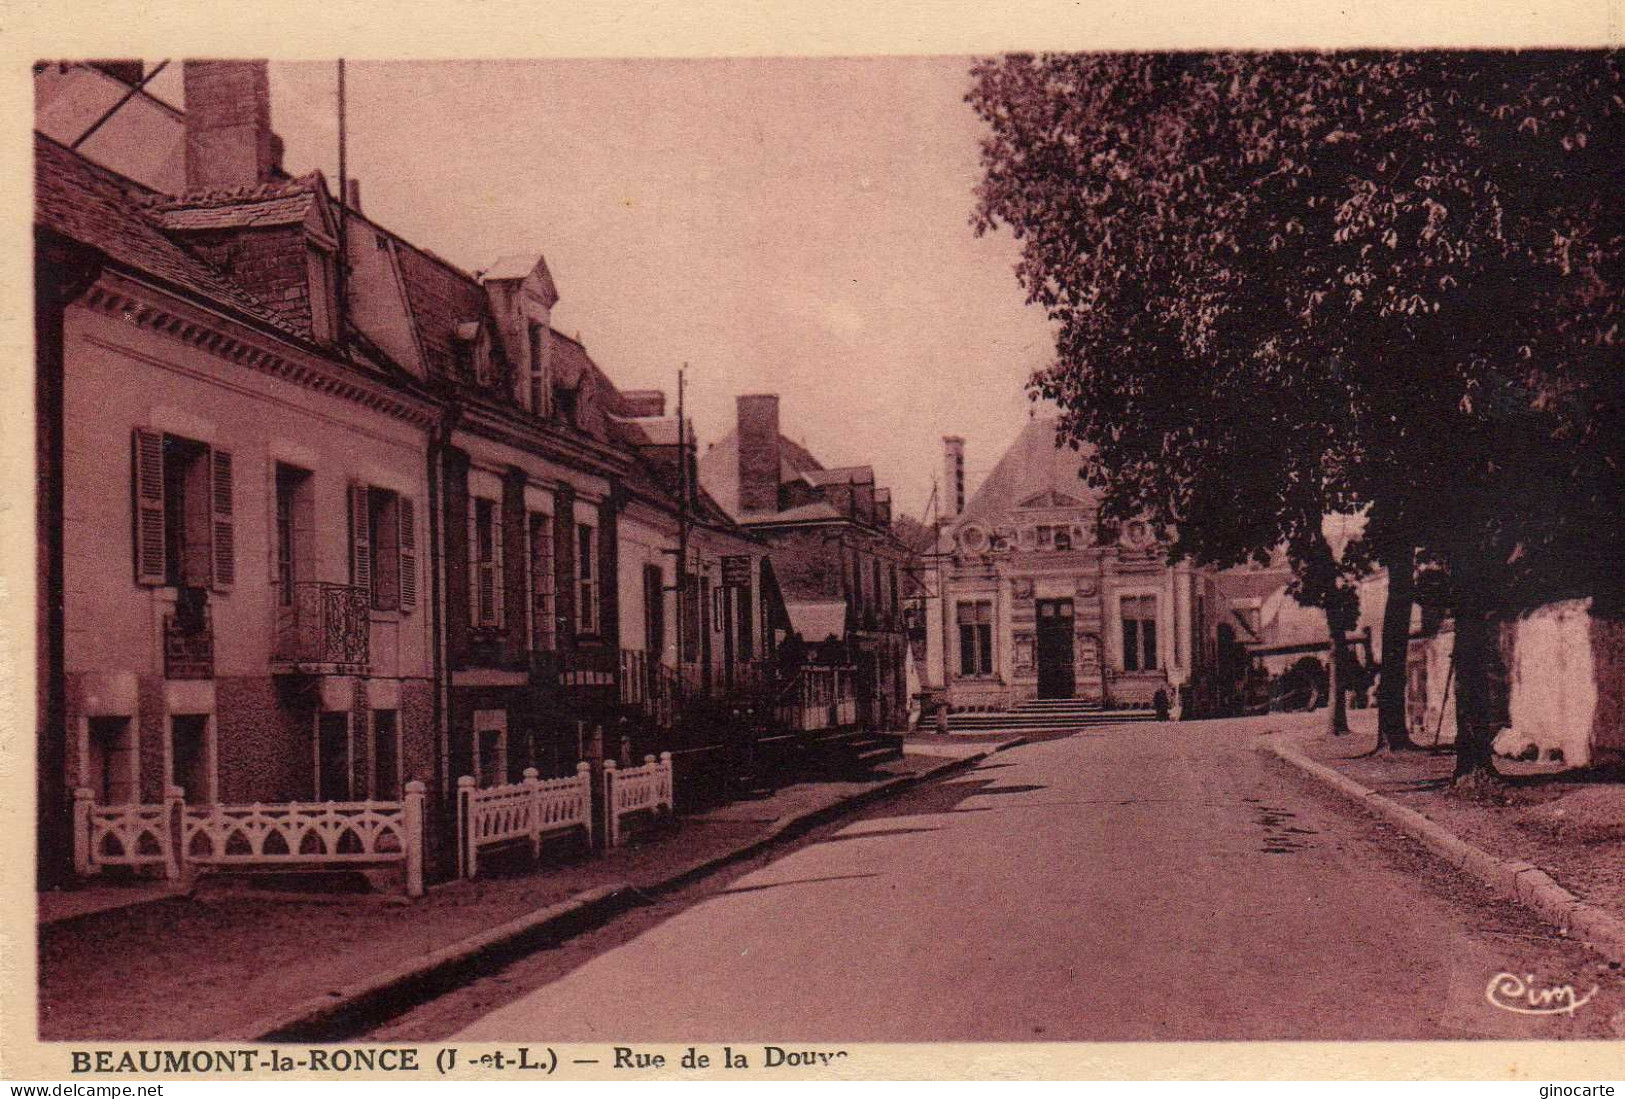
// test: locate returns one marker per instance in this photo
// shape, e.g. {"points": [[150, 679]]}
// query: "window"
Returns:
{"points": [[541, 582], [190, 767], [183, 507], [976, 638], [1063, 538], [586, 586], [333, 756], [742, 619], [386, 755], [1139, 633], [383, 523], [383, 547], [490, 747], [295, 530], [538, 372], [485, 558], [1046, 537], [874, 588], [323, 302], [112, 773]]}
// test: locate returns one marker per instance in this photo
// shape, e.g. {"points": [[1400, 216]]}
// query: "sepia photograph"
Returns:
{"points": [[759, 556]]}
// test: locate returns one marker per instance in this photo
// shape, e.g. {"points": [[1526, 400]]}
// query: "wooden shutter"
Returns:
{"points": [[147, 483], [475, 573], [360, 540], [221, 533], [497, 538], [406, 515]]}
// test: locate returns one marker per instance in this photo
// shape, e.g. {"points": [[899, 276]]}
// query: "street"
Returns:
{"points": [[1157, 881]]}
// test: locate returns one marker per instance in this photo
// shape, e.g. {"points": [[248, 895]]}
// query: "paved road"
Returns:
{"points": [[1156, 881]]}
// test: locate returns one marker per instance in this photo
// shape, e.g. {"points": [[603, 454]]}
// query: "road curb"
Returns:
{"points": [[316, 1018], [1519, 881]]}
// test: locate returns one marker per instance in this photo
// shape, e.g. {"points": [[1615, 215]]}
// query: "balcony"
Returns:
{"points": [[321, 629], [189, 638]]}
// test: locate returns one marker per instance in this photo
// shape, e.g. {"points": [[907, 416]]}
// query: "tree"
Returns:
{"points": [[1289, 285]]}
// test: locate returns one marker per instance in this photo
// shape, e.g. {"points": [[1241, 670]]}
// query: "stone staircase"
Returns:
{"points": [[1042, 714]]}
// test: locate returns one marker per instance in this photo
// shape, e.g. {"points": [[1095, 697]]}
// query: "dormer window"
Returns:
{"points": [[323, 294], [540, 390]]}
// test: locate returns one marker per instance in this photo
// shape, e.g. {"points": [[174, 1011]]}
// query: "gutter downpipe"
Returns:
{"points": [[439, 437]]}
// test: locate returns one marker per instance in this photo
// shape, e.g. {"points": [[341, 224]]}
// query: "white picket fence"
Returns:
{"points": [[634, 790], [315, 835], [527, 810]]}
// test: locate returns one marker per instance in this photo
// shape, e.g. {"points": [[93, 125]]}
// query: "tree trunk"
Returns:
{"points": [[1476, 723], [1334, 681], [1392, 731]]}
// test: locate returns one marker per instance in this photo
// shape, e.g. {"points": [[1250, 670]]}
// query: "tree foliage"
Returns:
{"points": [[1294, 284]]}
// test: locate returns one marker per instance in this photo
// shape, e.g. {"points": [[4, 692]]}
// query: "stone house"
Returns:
{"points": [[234, 540], [839, 567]]}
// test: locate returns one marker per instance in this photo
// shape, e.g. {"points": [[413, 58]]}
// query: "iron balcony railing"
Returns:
{"points": [[318, 623]]}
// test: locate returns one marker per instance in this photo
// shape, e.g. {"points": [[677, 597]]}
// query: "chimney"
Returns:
{"points": [[643, 403], [353, 199], [228, 125], [759, 452], [953, 477]]}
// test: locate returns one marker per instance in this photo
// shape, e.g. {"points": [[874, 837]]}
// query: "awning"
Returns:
{"points": [[817, 622]]}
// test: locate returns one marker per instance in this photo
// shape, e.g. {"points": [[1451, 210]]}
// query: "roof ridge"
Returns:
{"points": [[231, 196]]}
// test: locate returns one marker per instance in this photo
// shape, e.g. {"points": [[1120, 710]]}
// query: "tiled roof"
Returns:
{"points": [[94, 206], [844, 475], [1032, 466], [441, 298], [805, 513], [286, 210]]}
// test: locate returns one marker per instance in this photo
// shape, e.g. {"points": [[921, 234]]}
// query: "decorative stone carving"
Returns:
{"points": [[1021, 589], [1024, 650], [1136, 534], [972, 537]]}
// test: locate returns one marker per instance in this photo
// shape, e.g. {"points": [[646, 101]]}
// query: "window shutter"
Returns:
{"points": [[221, 533], [475, 572], [407, 516], [360, 540], [147, 481], [496, 564]]}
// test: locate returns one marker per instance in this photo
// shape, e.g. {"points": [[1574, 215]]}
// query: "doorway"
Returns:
{"points": [[1055, 679]]}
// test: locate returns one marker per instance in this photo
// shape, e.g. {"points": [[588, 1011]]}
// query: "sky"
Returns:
{"points": [[798, 226]]}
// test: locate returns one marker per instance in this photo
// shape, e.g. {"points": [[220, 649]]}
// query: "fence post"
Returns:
{"points": [[465, 827], [533, 798], [612, 822], [174, 830], [412, 812], [584, 778], [83, 799], [667, 786]]}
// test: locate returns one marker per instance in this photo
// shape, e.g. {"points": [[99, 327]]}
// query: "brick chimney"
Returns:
{"points": [[952, 496], [759, 452], [228, 125]]}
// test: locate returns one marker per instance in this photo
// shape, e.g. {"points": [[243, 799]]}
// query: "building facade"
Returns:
{"points": [[839, 567], [354, 518], [233, 541], [1026, 604]]}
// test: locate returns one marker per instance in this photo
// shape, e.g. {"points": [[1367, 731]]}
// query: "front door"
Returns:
{"points": [[1055, 648]]}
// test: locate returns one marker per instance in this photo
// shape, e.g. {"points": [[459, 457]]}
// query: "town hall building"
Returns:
{"points": [[1034, 607]]}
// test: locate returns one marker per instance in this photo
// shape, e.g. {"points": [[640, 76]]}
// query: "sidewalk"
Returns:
{"points": [[1568, 822], [219, 965]]}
